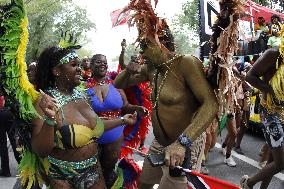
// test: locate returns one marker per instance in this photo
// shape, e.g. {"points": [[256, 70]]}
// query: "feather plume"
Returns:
{"points": [[224, 45]]}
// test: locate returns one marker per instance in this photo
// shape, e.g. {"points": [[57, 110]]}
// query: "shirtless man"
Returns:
{"points": [[183, 106], [272, 119]]}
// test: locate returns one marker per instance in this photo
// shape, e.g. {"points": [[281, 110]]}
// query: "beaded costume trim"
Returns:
{"points": [[62, 100]]}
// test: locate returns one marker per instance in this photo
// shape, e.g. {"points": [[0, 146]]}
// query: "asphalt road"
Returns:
{"points": [[246, 164]]}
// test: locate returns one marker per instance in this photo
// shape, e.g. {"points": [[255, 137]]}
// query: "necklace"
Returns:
{"points": [[155, 80], [92, 82], [65, 99]]}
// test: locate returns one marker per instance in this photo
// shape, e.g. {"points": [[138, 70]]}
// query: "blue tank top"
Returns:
{"points": [[112, 102]]}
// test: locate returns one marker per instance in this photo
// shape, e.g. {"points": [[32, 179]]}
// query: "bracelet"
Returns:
{"points": [[48, 121], [185, 140], [123, 120]]}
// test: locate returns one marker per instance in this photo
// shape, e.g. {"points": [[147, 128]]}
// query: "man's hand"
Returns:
{"points": [[130, 119], [133, 68], [174, 154], [142, 111], [123, 45]]}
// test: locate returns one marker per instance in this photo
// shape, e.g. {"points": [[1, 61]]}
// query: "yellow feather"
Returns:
{"points": [[20, 60]]}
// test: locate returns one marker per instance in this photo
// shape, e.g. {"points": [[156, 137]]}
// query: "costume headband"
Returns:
{"points": [[68, 41], [68, 58]]}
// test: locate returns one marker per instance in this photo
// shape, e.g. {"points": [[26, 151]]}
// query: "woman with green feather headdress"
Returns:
{"points": [[58, 126]]}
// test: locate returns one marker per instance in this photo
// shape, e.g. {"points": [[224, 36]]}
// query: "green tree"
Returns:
{"points": [[186, 28], [83, 52], [277, 5], [47, 18], [186, 40], [189, 17]]}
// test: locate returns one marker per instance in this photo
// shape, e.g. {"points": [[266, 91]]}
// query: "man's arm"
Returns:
{"points": [[192, 71], [121, 56], [132, 75], [260, 68]]}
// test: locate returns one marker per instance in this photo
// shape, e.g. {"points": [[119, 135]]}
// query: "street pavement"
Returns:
{"points": [[246, 164]]}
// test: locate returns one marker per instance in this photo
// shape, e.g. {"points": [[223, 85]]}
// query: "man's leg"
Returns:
{"points": [[168, 182], [270, 169], [145, 186], [274, 136], [151, 175], [241, 122], [232, 133]]}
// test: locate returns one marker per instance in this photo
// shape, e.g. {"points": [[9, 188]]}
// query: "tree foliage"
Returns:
{"points": [[186, 27], [186, 23], [277, 5], [189, 16], [47, 18]]}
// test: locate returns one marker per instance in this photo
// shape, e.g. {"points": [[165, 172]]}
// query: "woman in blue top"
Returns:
{"points": [[108, 102]]}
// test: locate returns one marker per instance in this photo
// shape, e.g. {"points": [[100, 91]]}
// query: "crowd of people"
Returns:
{"points": [[83, 111], [268, 32]]}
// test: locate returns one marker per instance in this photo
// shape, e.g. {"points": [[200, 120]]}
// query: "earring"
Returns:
{"points": [[67, 77]]}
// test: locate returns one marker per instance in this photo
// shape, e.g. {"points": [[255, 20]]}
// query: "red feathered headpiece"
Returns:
{"points": [[149, 25]]}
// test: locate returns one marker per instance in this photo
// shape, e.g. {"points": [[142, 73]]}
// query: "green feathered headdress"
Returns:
{"points": [[16, 86], [13, 43]]}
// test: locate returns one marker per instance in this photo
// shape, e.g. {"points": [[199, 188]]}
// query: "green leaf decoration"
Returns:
{"points": [[13, 38], [222, 123]]}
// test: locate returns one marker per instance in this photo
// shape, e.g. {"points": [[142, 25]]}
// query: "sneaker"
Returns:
{"points": [[239, 151], [260, 153], [262, 164], [230, 161], [223, 151], [244, 181], [204, 170]]}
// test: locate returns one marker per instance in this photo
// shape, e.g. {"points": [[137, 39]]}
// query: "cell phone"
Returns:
{"points": [[156, 159]]}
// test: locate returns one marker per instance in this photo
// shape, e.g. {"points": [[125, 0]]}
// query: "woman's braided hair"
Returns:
{"points": [[49, 58]]}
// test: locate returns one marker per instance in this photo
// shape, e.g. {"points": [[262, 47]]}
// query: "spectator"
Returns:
{"points": [[275, 24], [86, 70], [261, 25], [243, 99], [274, 40], [31, 72], [6, 126]]}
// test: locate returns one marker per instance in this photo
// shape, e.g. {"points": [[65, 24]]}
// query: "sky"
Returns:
{"points": [[105, 39]]}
